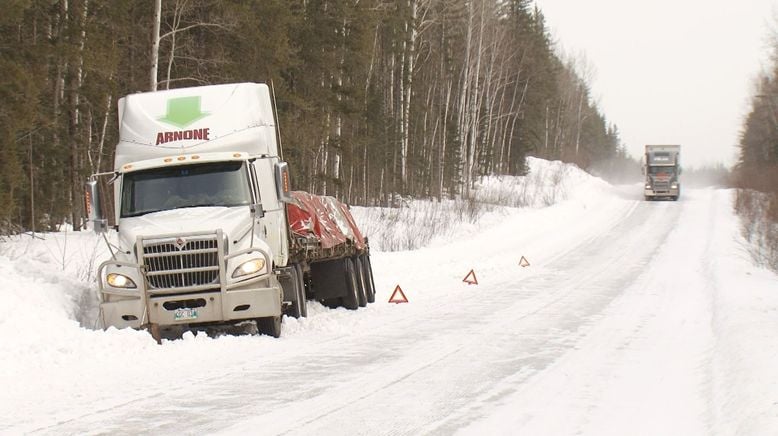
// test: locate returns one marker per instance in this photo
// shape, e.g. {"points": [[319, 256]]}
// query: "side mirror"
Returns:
{"points": [[94, 210], [283, 187]]}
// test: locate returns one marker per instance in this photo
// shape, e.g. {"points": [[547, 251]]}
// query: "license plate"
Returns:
{"points": [[185, 314]]}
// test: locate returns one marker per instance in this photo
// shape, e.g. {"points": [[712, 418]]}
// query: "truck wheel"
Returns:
{"points": [[270, 325], [301, 291], [361, 282], [351, 300], [367, 268]]}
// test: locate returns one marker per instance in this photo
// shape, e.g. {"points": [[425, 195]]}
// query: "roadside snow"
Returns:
{"points": [[700, 322], [422, 223]]}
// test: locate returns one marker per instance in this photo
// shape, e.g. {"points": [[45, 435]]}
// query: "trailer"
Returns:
{"points": [[209, 232]]}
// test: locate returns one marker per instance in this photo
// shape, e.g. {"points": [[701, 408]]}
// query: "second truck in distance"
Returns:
{"points": [[662, 169]]}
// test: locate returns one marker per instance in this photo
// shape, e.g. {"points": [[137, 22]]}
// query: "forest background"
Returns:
{"points": [[756, 173], [377, 99]]}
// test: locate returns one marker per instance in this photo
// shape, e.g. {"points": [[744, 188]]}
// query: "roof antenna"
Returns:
{"points": [[277, 122]]}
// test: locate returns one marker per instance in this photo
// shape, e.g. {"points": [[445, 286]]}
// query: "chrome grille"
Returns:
{"points": [[182, 262], [662, 186]]}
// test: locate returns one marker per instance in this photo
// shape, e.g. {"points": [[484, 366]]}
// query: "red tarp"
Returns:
{"points": [[325, 218]]}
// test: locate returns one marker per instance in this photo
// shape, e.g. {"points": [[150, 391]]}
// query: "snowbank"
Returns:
{"points": [[421, 223]]}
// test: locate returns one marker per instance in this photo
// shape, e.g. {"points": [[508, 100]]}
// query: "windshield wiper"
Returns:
{"points": [[199, 205], [141, 213], [188, 206]]}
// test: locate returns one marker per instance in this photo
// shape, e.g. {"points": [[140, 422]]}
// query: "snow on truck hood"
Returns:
{"points": [[187, 220]]}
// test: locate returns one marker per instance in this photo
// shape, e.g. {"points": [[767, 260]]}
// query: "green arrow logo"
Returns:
{"points": [[183, 111]]}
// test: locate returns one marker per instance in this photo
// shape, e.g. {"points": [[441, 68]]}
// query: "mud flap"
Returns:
{"points": [[328, 279], [155, 332]]}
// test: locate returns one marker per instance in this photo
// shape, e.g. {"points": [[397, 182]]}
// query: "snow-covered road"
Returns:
{"points": [[633, 318]]}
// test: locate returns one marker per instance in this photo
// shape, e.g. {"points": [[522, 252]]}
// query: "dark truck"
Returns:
{"points": [[662, 168]]}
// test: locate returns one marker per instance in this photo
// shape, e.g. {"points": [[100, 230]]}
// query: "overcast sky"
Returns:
{"points": [[670, 71]]}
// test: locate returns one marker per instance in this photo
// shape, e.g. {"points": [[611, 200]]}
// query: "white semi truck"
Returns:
{"points": [[662, 169], [202, 205]]}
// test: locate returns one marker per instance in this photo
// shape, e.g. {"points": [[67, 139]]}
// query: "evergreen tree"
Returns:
{"points": [[376, 98]]}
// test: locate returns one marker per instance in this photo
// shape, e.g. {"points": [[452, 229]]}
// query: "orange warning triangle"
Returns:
{"points": [[395, 298], [469, 280], [523, 262]]}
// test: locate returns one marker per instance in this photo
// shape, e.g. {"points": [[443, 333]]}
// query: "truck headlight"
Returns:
{"points": [[120, 281], [648, 186], [674, 186], [249, 267]]}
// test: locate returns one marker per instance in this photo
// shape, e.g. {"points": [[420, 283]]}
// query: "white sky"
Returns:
{"points": [[669, 71]]}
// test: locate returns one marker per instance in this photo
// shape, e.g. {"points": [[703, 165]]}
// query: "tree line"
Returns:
{"points": [[756, 172], [376, 98], [757, 166]]}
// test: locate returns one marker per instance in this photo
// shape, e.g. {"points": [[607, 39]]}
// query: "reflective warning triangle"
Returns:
{"points": [[470, 278], [524, 262], [398, 296]]}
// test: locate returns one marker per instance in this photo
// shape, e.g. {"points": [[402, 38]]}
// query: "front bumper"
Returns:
{"points": [[662, 193], [662, 189], [210, 307], [170, 301]]}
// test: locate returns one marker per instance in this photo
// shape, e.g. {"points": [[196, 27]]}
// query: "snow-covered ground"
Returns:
{"points": [[633, 318]]}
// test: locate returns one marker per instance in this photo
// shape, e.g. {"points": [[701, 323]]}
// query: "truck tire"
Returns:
{"points": [[361, 281], [351, 300], [367, 268], [270, 325], [301, 295]]}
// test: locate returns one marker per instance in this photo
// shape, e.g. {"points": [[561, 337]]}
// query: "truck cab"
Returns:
{"points": [[200, 192], [662, 170]]}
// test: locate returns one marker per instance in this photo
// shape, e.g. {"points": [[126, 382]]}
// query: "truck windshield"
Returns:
{"points": [[211, 184], [661, 170]]}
